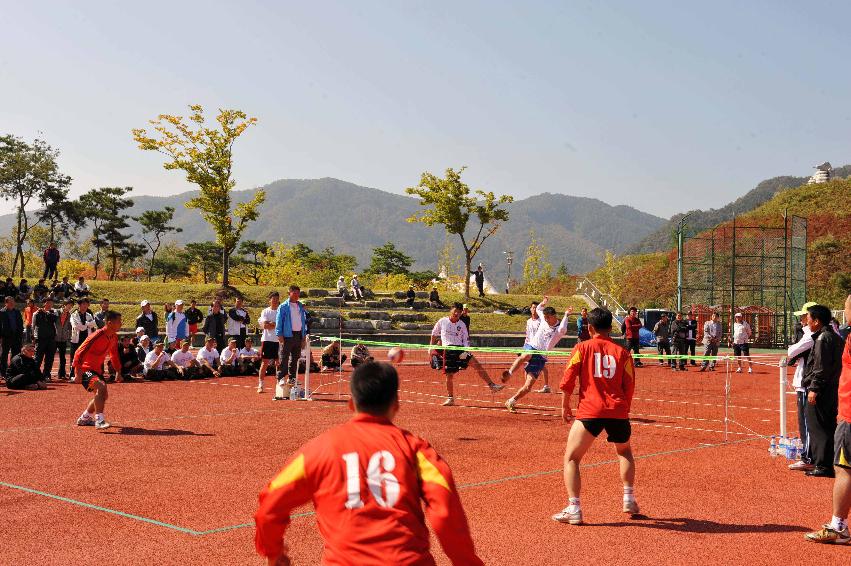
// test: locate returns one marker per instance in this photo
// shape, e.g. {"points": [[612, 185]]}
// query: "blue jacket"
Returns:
{"points": [[284, 323]]}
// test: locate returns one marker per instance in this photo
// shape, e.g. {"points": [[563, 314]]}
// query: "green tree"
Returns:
{"points": [[58, 212], [103, 207], [174, 263], [156, 224], [449, 202], [205, 154], [536, 267], [206, 256], [562, 272], [27, 172], [250, 260], [387, 260]]}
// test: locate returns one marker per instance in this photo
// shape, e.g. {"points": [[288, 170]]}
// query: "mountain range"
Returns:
{"points": [[353, 219]]}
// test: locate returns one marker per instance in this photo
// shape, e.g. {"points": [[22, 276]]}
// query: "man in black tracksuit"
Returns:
{"points": [[44, 331], [691, 336], [23, 372], [11, 332], [821, 381], [679, 332], [480, 280]]}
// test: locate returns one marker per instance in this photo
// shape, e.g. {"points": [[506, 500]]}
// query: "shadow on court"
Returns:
{"points": [[701, 526], [136, 431]]}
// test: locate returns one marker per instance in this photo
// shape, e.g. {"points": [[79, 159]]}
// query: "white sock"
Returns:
{"points": [[838, 524], [628, 493], [99, 417], [573, 502]]}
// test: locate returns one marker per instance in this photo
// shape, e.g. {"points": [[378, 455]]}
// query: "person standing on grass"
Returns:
{"points": [[369, 481], [44, 330], [194, 317], [24, 372], [836, 532], [269, 346], [547, 336], [11, 333], [291, 330], [606, 378], [479, 276], [82, 324], [88, 361], [51, 260], [821, 377], [237, 323], [149, 320], [63, 335], [450, 331], [662, 332], [631, 328], [797, 356], [712, 332], [740, 335]]}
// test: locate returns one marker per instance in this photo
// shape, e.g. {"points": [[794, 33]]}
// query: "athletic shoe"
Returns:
{"points": [[100, 425], [738, 370], [818, 472], [544, 389], [702, 368], [506, 375], [449, 402], [511, 405], [494, 387], [259, 389], [801, 466], [569, 516], [829, 536], [750, 370], [630, 507], [87, 421]]}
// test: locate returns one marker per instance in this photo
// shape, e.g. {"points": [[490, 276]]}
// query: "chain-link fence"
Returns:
{"points": [[759, 271]]}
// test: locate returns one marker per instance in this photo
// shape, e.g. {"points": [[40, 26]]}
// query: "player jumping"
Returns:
{"points": [[606, 378], [450, 331], [89, 359], [547, 335], [368, 480]]}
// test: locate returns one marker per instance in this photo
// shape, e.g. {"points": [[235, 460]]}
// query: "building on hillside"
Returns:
{"points": [[822, 175]]}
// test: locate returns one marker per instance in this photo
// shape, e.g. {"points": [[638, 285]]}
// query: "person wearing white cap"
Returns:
{"points": [[140, 331], [741, 334], [148, 320], [797, 355], [176, 326], [341, 288], [357, 293]]}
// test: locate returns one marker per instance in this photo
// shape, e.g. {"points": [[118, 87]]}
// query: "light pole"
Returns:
{"points": [[509, 259], [680, 262]]}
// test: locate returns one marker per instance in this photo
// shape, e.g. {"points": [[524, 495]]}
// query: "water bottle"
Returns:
{"points": [[772, 447], [799, 449], [781, 446], [790, 449]]}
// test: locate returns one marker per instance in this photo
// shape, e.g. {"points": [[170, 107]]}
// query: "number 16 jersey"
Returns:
{"points": [[368, 480], [606, 379]]}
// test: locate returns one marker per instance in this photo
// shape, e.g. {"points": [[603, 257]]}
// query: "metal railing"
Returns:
{"points": [[598, 298]]}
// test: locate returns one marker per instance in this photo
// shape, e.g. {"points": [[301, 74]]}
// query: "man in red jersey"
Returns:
{"points": [[606, 384], [366, 479], [836, 532], [89, 359], [631, 332]]}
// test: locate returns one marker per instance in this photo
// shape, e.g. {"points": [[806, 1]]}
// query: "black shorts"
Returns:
{"points": [[842, 444], [450, 361], [741, 349], [617, 430], [89, 379], [269, 350]]}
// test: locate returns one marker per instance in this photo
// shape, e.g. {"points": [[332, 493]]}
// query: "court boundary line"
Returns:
{"points": [[484, 483]]}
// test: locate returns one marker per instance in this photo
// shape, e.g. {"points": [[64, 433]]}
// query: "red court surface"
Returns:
{"points": [[175, 481]]}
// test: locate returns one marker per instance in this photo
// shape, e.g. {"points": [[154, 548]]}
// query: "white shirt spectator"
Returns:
{"points": [[234, 327], [741, 332], [81, 287], [210, 356], [152, 361], [182, 359], [249, 353], [268, 315], [803, 345], [451, 333], [229, 356]]}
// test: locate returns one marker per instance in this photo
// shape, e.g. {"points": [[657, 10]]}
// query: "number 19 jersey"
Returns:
{"points": [[606, 379], [368, 480]]}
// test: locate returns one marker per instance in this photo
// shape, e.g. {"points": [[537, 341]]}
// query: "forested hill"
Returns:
{"points": [[700, 220]]}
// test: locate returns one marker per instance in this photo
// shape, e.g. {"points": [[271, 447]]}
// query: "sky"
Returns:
{"points": [[663, 106]]}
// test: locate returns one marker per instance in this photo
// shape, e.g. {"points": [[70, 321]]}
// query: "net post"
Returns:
{"points": [[783, 380], [307, 396], [727, 388]]}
